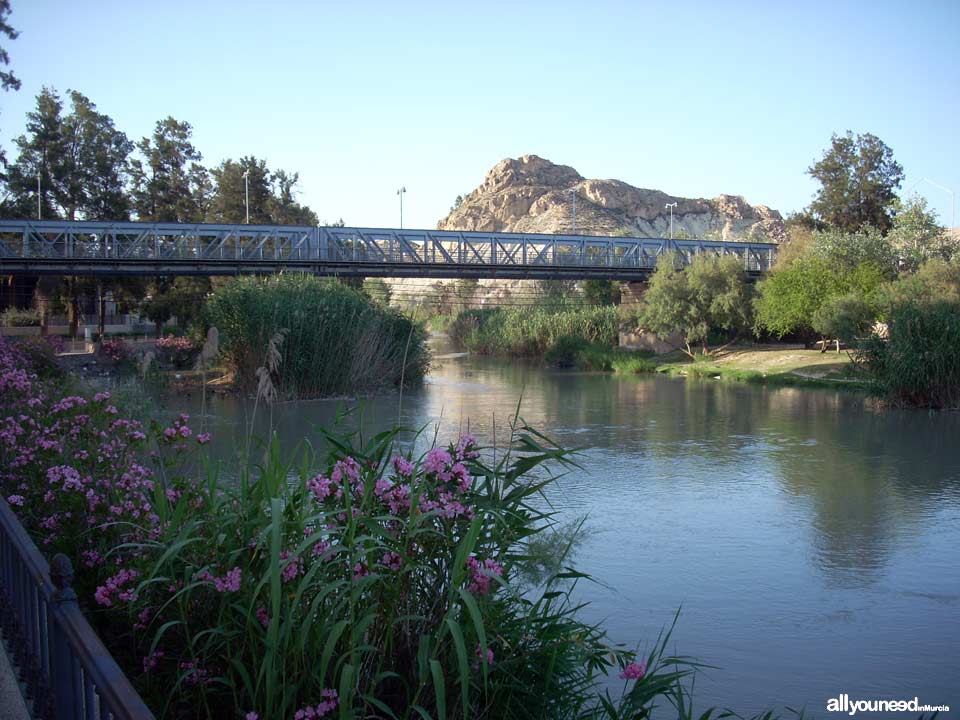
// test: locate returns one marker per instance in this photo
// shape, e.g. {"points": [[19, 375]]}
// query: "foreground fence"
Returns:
{"points": [[68, 672]]}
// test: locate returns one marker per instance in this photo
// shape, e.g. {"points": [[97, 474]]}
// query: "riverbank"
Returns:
{"points": [[770, 365]]}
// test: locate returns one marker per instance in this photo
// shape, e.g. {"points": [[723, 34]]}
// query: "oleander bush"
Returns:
{"points": [[176, 352]]}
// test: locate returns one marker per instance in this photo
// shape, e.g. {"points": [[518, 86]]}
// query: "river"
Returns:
{"points": [[810, 539]]}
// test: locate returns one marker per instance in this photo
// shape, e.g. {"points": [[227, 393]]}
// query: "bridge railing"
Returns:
{"points": [[69, 673], [117, 243]]}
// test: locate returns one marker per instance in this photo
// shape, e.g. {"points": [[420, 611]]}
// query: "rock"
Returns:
{"points": [[531, 194]]}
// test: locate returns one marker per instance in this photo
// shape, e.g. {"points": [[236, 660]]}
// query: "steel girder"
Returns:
{"points": [[169, 248]]}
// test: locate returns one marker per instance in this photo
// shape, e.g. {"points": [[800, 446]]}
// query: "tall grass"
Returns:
{"points": [[336, 339], [532, 331], [574, 352], [919, 364]]}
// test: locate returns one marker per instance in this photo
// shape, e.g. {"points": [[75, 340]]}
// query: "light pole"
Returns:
{"points": [[573, 194], [38, 196], [953, 198], [401, 193], [671, 206], [246, 192]]}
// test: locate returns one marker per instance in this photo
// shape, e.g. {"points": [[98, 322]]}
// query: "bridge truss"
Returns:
{"points": [[129, 248]]}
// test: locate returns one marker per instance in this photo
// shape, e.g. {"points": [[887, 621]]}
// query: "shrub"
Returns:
{"points": [[573, 352], [40, 353], [178, 352], [334, 338], [919, 364], [116, 349], [15, 317], [532, 331]]}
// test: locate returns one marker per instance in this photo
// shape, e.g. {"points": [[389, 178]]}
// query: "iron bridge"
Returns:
{"points": [[132, 248]]}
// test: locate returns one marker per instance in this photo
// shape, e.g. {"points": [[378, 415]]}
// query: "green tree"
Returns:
{"points": [[41, 153], [81, 158], [229, 202], [711, 294], [601, 292], [8, 81], [180, 298], [858, 182], [789, 299], [916, 235], [169, 182], [284, 207], [847, 251]]}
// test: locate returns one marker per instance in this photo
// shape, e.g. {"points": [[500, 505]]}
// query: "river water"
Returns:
{"points": [[810, 539]]}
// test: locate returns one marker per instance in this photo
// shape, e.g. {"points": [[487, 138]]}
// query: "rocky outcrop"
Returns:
{"points": [[531, 194]]}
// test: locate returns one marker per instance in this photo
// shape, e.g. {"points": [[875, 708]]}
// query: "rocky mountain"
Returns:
{"points": [[531, 194]]}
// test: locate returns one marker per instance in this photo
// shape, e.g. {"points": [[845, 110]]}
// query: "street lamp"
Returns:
{"points": [[246, 192], [573, 194], [38, 196], [671, 206], [953, 198], [401, 192]]}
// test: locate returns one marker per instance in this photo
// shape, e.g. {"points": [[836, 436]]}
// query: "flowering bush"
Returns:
{"points": [[365, 583], [178, 352], [117, 349]]}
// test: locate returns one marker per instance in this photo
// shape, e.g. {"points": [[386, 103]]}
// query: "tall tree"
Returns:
{"points": [[859, 179], [41, 153], [170, 184], [272, 195], [7, 79], [229, 203], [285, 208], [81, 159]]}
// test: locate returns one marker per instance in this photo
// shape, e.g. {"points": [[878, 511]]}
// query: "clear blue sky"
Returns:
{"points": [[695, 99]]}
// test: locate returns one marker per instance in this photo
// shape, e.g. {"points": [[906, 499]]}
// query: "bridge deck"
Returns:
{"points": [[129, 248]]}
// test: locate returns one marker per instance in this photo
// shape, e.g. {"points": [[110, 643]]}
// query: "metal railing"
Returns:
{"points": [[54, 246], [68, 672]]}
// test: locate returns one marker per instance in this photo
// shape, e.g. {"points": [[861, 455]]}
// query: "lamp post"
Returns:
{"points": [[246, 192], [573, 195], [401, 193], [953, 198], [671, 206], [38, 196]]}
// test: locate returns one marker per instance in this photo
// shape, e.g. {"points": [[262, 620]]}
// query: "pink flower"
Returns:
{"points": [[479, 654], [251, 716], [293, 568], [481, 574], [150, 661], [403, 466], [392, 561], [229, 582], [360, 570], [15, 500], [437, 460], [203, 439], [262, 616], [634, 671]]}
